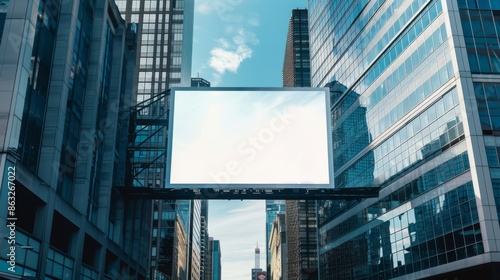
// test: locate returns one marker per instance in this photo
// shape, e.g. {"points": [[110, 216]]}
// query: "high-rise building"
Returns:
{"points": [[198, 222], [64, 87], [195, 241], [214, 257], [199, 82], [256, 271], [273, 207], [209, 260], [257, 257], [301, 233], [415, 92], [296, 65], [165, 38], [204, 253], [302, 254], [278, 249]]}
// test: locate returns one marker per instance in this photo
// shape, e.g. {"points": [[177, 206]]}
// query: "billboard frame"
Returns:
{"points": [[233, 186]]}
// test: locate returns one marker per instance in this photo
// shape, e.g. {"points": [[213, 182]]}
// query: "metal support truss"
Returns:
{"points": [[147, 120], [246, 194]]}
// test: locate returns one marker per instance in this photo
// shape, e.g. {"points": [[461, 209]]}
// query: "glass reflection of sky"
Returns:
{"points": [[249, 137]]}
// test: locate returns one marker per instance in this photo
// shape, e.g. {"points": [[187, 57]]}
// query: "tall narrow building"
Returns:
{"points": [[64, 68], [257, 256], [214, 256], [278, 250], [204, 252], [256, 271], [273, 207], [301, 254], [165, 38], [415, 91], [296, 65]]}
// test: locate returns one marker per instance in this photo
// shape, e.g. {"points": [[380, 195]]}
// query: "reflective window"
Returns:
{"points": [[380, 164], [481, 31], [37, 86], [488, 105], [58, 265], [439, 231]]}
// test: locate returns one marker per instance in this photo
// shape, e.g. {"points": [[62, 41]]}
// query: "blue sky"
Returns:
{"points": [[240, 43]]}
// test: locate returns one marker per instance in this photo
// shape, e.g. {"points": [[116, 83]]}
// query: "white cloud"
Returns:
{"points": [[203, 8], [229, 55], [216, 79], [223, 60], [225, 9], [253, 21]]}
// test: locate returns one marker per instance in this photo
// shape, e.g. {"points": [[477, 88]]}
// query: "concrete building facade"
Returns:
{"points": [[278, 250], [273, 207]]}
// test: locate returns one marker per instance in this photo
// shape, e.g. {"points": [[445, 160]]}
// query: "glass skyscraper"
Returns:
{"points": [[301, 254], [165, 39], [415, 94], [63, 79]]}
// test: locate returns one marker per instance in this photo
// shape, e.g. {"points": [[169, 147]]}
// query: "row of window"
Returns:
{"points": [[148, 5], [347, 70], [379, 121], [479, 4], [59, 266], [481, 31], [428, 181], [488, 105], [439, 231], [418, 26], [358, 124], [335, 25], [421, 138], [424, 50], [147, 76], [420, 54], [26, 260]]}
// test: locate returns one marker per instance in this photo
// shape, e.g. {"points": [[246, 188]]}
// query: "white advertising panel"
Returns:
{"points": [[250, 138]]}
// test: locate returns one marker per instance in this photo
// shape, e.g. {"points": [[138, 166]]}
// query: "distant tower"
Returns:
{"points": [[257, 256], [257, 270]]}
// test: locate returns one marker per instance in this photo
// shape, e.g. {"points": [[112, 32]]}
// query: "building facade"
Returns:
{"points": [[414, 87], [278, 250], [208, 273], [195, 241], [301, 233], [214, 265], [165, 38], [199, 82], [273, 207], [302, 254], [204, 239], [198, 222], [296, 65], [64, 68]]}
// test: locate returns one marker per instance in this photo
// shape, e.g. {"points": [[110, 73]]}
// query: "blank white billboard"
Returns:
{"points": [[250, 138]]}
